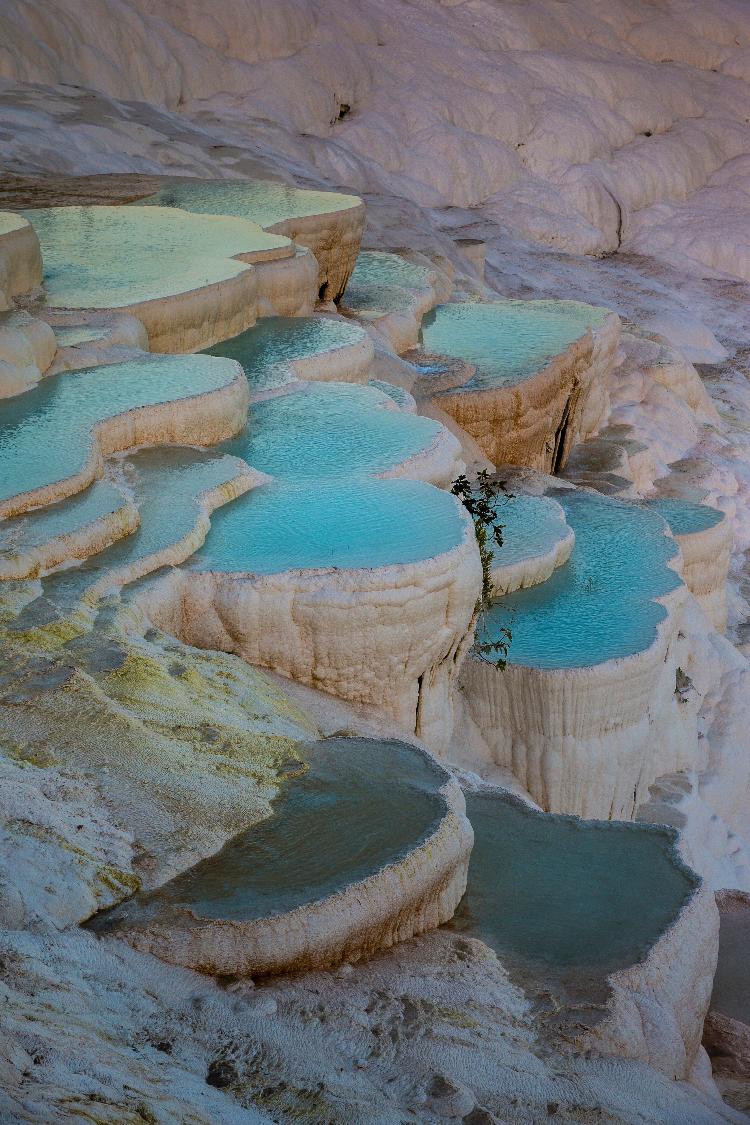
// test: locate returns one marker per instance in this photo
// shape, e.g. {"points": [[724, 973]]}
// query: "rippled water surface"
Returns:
{"points": [[344, 524], [379, 281], [111, 257], [328, 429], [262, 201], [685, 517], [507, 340], [45, 434], [600, 604], [264, 349]]}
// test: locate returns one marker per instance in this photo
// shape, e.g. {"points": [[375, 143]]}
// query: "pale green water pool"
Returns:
{"points": [[112, 257], [262, 201]]}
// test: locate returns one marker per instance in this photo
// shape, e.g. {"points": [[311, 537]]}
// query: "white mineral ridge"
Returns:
{"points": [[583, 126]]}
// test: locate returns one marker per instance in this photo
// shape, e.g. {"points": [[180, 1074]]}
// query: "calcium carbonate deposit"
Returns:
{"points": [[374, 587]]}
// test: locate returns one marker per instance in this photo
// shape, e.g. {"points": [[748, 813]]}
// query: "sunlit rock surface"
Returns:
{"points": [[540, 375], [27, 348], [190, 279], [367, 844], [20, 258]]}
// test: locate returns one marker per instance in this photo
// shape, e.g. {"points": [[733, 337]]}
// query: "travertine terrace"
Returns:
{"points": [[327, 223]]}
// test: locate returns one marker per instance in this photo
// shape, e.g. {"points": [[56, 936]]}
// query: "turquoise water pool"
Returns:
{"points": [[361, 804], [565, 892], [330, 429], [165, 484], [531, 527], [28, 531], [264, 350], [380, 282], [349, 524], [112, 257], [684, 517], [45, 434], [507, 340], [262, 201], [600, 604]]}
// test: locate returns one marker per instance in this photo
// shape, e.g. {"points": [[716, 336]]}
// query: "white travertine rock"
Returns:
{"points": [[388, 635], [87, 524], [27, 348], [20, 258], [89, 339], [705, 567], [657, 1007], [590, 740]]}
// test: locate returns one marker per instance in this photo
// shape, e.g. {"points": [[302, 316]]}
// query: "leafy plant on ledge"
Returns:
{"points": [[479, 500]]}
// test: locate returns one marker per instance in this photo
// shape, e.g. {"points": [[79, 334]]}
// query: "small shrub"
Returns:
{"points": [[479, 501]]}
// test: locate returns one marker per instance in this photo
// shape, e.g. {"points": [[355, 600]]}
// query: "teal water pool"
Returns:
{"points": [[507, 341], [380, 282], [329, 429], [531, 525], [351, 524], [45, 434], [569, 893], [165, 484], [684, 517], [600, 604], [262, 201], [113, 257], [360, 804], [38, 527], [264, 350]]}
